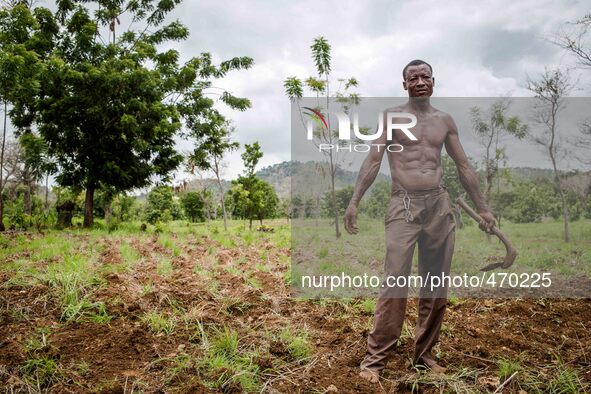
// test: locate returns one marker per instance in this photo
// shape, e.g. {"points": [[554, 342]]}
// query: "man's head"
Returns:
{"points": [[418, 79]]}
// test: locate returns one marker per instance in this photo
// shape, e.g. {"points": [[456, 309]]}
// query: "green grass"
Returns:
{"points": [[128, 253], [233, 305], [225, 364], [170, 243], [508, 367], [83, 368], [297, 342], [41, 368], [540, 247], [41, 372], [160, 323], [147, 288], [460, 381], [72, 280], [253, 282], [566, 381], [164, 266], [72, 275]]}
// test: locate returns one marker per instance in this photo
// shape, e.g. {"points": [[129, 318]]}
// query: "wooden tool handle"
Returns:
{"points": [[511, 251]]}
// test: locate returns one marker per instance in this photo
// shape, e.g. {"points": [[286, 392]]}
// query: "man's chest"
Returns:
{"points": [[430, 132]]}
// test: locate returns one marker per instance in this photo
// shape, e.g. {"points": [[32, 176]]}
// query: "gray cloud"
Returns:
{"points": [[483, 48]]}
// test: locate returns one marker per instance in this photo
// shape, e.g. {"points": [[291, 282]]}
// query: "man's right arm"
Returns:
{"points": [[367, 174]]}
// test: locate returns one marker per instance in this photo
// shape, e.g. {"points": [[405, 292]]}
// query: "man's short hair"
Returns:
{"points": [[416, 62]]}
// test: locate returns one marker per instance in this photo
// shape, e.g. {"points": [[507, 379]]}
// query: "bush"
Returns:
{"points": [[162, 205], [532, 202], [17, 219]]}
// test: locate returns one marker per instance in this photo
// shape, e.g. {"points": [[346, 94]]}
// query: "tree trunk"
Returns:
{"points": [[108, 215], [332, 166], [334, 199], [28, 188], [88, 206], [217, 175], [1, 170], [2, 228], [564, 215], [47, 192], [557, 180]]}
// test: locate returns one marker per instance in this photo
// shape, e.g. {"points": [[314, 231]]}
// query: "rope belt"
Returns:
{"points": [[408, 217]]}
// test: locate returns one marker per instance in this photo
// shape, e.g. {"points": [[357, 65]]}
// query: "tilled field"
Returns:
{"points": [[191, 313]]}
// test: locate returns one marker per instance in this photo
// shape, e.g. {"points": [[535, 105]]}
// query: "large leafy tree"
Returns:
{"points": [[26, 37], [109, 107]]}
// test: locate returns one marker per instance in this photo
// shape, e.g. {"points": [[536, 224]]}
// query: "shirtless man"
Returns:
{"points": [[419, 213]]}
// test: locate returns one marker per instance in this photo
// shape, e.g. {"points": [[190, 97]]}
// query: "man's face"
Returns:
{"points": [[419, 81]]}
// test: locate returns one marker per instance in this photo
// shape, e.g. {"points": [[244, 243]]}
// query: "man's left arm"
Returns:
{"points": [[467, 175]]}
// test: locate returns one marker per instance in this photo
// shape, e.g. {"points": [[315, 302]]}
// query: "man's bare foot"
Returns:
{"points": [[369, 375], [433, 367], [437, 369]]}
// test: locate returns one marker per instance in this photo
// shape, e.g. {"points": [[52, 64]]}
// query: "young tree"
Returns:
{"points": [[252, 197], [109, 109], [297, 207], [193, 206], [550, 90], [491, 127], [321, 86], [160, 204], [251, 156], [266, 200], [376, 205], [343, 196], [247, 195], [573, 38], [37, 164], [211, 142], [12, 164], [285, 208]]}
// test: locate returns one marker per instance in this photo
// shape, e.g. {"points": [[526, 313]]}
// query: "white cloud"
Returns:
{"points": [[481, 48]]}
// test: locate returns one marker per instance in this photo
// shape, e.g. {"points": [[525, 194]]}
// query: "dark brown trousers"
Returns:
{"points": [[426, 219]]}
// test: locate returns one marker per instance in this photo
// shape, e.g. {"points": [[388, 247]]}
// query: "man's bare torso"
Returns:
{"points": [[418, 166]]}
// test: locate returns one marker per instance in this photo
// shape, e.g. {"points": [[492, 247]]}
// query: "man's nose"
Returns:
{"points": [[421, 82]]}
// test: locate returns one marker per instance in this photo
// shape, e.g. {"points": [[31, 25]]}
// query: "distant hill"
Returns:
{"points": [[309, 178], [312, 178]]}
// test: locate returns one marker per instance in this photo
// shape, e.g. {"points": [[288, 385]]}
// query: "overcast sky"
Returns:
{"points": [[477, 49], [483, 48]]}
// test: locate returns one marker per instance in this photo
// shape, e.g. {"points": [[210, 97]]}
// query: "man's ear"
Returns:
{"points": [[433, 79], [404, 85]]}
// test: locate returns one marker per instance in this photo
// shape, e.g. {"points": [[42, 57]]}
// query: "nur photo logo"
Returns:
{"points": [[393, 122]]}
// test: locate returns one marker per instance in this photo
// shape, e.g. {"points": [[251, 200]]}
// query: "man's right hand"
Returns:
{"points": [[351, 220]]}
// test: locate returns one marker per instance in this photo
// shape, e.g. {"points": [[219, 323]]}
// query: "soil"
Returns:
{"points": [[125, 355]]}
